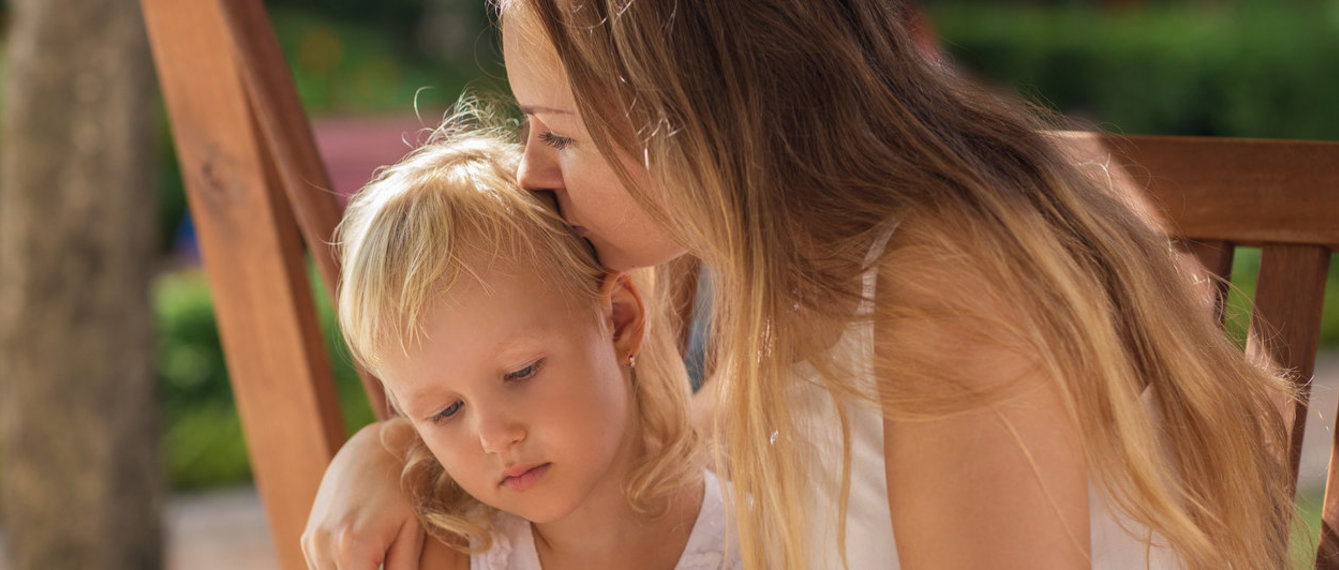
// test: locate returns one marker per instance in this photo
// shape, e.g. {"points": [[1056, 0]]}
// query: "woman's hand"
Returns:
{"points": [[361, 520]]}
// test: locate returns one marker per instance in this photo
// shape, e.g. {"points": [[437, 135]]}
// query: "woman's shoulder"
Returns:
{"points": [[942, 269], [947, 313]]}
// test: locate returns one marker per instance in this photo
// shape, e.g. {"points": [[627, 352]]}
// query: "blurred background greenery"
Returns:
{"points": [[1222, 68]]}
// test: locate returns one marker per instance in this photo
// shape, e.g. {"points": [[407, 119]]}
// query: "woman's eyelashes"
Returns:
{"points": [[555, 141], [548, 137]]}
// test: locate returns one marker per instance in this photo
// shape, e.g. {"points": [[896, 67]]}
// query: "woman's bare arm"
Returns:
{"points": [[361, 520]]}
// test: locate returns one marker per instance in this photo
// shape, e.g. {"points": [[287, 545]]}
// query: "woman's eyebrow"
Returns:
{"points": [[535, 109]]}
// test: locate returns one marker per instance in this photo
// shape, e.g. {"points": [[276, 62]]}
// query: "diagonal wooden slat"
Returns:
{"points": [[254, 258], [289, 139]]}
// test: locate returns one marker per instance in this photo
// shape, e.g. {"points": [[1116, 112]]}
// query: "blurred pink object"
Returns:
{"points": [[353, 148]]}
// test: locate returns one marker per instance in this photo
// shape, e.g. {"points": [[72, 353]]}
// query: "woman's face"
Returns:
{"points": [[560, 157]]}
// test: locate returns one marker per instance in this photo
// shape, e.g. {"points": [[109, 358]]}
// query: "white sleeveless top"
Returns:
{"points": [[870, 543], [707, 548]]}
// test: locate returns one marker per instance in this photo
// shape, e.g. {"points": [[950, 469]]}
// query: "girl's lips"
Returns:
{"points": [[520, 481], [581, 231]]}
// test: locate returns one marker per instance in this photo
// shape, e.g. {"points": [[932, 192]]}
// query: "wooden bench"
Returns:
{"points": [[257, 191]]}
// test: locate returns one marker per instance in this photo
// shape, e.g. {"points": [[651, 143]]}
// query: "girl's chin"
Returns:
{"points": [[539, 515]]}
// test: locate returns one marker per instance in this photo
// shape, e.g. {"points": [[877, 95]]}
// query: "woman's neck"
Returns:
{"points": [[605, 532]]}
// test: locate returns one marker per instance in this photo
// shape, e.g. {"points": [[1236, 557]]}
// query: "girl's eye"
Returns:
{"points": [[558, 142], [447, 413], [524, 373]]}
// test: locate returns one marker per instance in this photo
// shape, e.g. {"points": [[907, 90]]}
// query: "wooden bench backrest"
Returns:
{"points": [[257, 190], [1216, 194]]}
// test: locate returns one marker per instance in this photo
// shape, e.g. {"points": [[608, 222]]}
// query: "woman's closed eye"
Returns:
{"points": [[525, 373], [556, 141]]}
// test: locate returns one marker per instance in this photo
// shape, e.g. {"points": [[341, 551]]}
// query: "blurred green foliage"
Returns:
{"points": [[203, 440], [1244, 69], [351, 66]]}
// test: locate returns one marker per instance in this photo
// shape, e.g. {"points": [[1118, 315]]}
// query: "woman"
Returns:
{"points": [[935, 339]]}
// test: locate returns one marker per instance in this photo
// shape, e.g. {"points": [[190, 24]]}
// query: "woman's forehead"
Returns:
{"points": [[534, 71]]}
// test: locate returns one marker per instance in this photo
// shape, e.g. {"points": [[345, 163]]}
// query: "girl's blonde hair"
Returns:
{"points": [[447, 211], [787, 134]]}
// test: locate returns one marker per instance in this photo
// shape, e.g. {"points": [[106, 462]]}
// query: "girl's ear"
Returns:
{"points": [[623, 309]]}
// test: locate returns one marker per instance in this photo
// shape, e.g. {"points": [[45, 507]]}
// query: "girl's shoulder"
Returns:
{"points": [[436, 555], [512, 548], [513, 544], [711, 545]]}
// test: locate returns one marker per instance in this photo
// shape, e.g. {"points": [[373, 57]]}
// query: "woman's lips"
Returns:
{"points": [[581, 231], [519, 480]]}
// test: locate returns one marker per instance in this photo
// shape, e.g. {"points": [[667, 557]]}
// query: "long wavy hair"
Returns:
{"points": [[786, 135], [414, 231]]}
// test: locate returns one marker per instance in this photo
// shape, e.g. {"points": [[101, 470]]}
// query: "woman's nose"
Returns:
{"points": [[539, 170]]}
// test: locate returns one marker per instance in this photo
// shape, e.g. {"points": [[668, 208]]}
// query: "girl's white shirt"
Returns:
{"points": [[1117, 542], [707, 549]]}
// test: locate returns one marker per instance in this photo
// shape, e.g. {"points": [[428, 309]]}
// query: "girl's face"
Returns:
{"points": [[560, 157], [520, 393]]}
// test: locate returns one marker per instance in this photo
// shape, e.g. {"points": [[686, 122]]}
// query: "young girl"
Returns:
{"points": [[543, 438], [937, 342]]}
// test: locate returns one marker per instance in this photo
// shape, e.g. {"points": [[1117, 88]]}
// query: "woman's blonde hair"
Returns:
{"points": [[787, 135], [444, 213]]}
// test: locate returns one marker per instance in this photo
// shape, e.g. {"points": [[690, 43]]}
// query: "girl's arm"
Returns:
{"points": [[361, 519], [985, 467]]}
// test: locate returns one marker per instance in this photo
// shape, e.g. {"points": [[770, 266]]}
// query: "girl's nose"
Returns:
{"points": [[498, 432]]}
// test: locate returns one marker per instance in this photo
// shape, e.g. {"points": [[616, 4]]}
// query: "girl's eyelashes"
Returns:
{"points": [[447, 412], [524, 373], [557, 142]]}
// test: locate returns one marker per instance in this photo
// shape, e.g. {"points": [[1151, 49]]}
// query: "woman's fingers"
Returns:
{"points": [[343, 544], [360, 513], [404, 552]]}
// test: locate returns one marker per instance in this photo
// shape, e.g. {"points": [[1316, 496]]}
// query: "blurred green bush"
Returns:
{"points": [[1242, 69], [203, 443]]}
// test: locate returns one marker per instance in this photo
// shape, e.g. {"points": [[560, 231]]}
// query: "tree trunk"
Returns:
{"points": [[81, 483]]}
